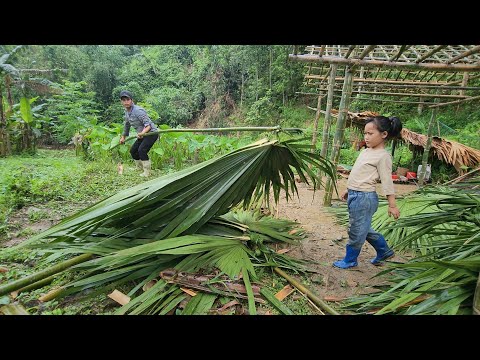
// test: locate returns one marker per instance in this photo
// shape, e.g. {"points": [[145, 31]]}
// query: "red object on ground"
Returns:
{"points": [[395, 177], [411, 175]]}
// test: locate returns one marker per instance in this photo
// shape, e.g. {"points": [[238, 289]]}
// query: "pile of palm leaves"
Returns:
{"points": [[188, 221], [442, 226]]}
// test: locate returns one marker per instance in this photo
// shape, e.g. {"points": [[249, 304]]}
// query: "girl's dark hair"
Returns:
{"points": [[392, 125]]}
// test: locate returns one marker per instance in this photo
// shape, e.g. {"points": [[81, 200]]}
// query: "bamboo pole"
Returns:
{"points": [[386, 64], [388, 81], [240, 128], [315, 124], [328, 116], [474, 50], [399, 52], [319, 302], [403, 94], [426, 150], [31, 279], [455, 102], [341, 121], [38, 284], [430, 53]]}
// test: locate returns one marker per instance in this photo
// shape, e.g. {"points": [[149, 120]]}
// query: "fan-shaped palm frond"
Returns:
{"points": [[181, 220]]}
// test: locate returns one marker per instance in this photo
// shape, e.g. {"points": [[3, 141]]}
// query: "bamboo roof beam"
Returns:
{"points": [[460, 88], [399, 52], [366, 51], [379, 63], [430, 53], [459, 81], [387, 100], [456, 101], [446, 96], [417, 55], [367, 99], [472, 51], [408, 73], [424, 76], [431, 77], [386, 81], [350, 49]]}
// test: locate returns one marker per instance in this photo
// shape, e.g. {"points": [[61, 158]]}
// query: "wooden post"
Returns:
{"points": [[341, 121], [328, 115]]}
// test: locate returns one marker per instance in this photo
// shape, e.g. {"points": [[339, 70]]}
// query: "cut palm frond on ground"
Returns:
{"points": [[182, 221], [182, 202]]}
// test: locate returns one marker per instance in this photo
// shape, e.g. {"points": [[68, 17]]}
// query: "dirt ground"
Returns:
{"points": [[325, 242]]}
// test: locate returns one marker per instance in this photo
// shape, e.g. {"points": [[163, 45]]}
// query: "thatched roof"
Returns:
{"points": [[448, 151]]}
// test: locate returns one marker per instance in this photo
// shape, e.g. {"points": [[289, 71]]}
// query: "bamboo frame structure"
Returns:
{"points": [[430, 75], [404, 67]]}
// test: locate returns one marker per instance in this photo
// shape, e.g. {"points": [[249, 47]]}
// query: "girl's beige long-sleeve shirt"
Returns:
{"points": [[370, 166]]}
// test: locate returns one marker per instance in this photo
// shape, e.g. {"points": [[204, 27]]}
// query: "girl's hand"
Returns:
{"points": [[344, 195], [394, 211]]}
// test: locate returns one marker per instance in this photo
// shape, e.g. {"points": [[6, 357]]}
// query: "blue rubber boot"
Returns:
{"points": [[350, 259], [383, 251]]}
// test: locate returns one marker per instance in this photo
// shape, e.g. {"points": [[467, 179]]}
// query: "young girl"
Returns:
{"points": [[372, 164]]}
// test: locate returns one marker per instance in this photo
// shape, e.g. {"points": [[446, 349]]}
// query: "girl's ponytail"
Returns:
{"points": [[396, 127]]}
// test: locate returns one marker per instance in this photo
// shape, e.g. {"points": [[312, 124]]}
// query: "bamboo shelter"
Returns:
{"points": [[431, 76]]}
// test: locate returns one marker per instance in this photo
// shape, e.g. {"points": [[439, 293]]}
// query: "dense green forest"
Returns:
{"points": [[70, 87]]}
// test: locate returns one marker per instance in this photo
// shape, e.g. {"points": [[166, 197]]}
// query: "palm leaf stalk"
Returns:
{"points": [[276, 129], [142, 230], [443, 281]]}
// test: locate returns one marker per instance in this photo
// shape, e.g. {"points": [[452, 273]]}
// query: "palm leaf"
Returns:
{"points": [[181, 203]]}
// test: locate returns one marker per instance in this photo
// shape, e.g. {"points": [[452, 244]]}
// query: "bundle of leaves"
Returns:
{"points": [[185, 221]]}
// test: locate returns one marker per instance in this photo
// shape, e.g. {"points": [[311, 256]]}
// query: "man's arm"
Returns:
{"points": [[144, 131], [126, 131]]}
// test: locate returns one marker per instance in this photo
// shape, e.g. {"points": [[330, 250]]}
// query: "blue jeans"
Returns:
{"points": [[361, 207]]}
